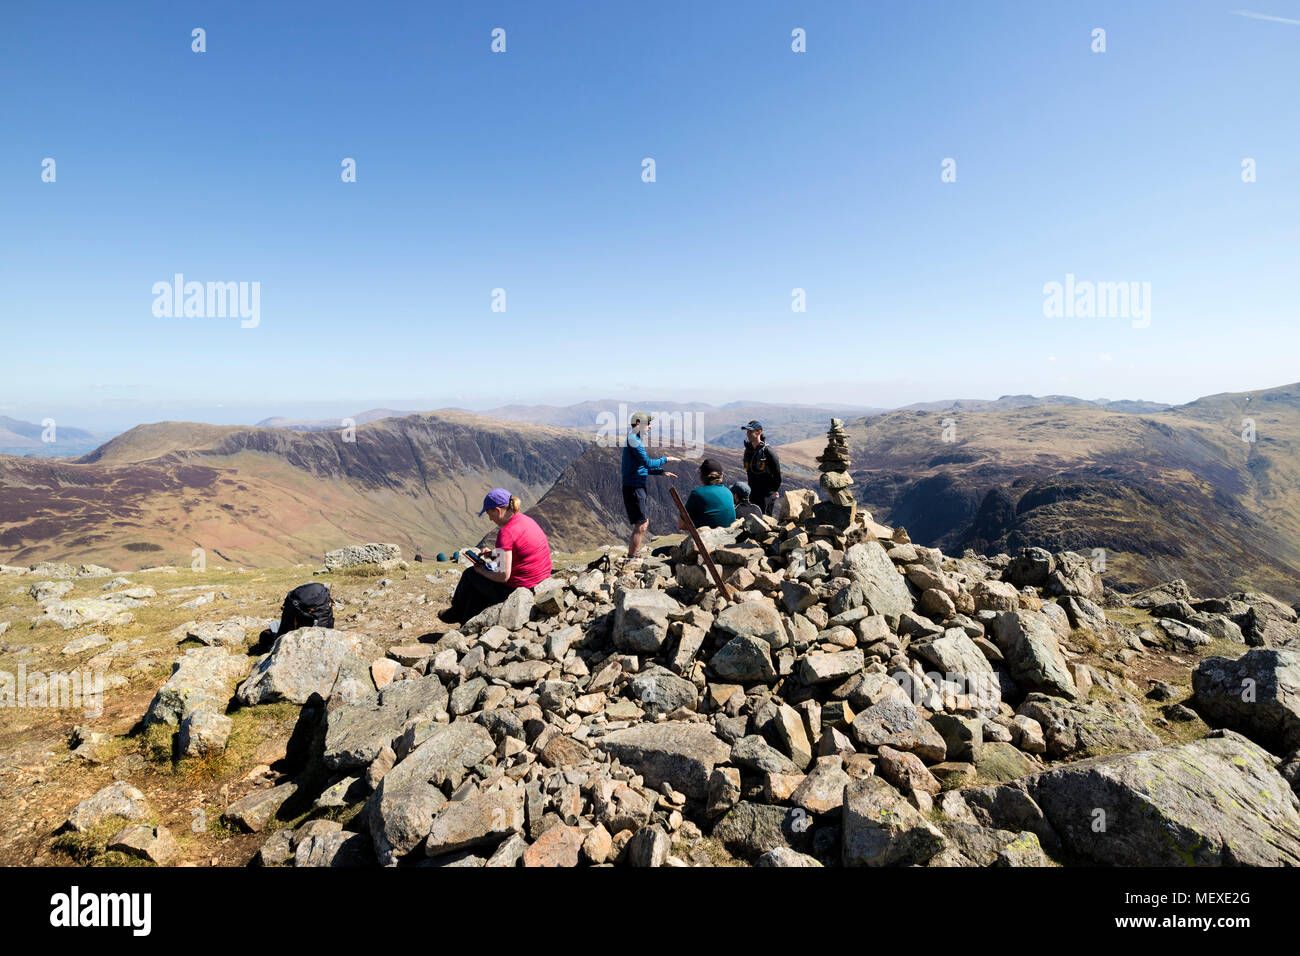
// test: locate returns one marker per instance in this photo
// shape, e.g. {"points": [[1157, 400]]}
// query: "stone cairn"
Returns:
{"points": [[834, 465]]}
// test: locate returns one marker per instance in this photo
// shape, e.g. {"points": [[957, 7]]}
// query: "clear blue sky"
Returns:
{"points": [[522, 170]]}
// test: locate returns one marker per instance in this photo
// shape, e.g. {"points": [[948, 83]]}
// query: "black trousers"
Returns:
{"points": [[475, 593], [767, 503]]}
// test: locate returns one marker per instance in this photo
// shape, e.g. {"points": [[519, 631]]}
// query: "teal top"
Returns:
{"points": [[711, 506]]}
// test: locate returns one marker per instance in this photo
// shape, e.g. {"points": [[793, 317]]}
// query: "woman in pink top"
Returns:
{"points": [[522, 559]]}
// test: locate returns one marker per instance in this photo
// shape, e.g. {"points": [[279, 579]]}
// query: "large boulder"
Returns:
{"points": [[959, 660], [1258, 694], [401, 810], [1088, 729], [1267, 622], [75, 612], [680, 754], [744, 659], [641, 619], [1217, 801], [880, 828], [301, 663], [753, 619], [890, 719], [1031, 566], [1074, 576], [1032, 653], [200, 680], [883, 588], [355, 732], [384, 555]]}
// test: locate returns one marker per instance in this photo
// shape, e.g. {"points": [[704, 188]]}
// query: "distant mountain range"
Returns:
{"points": [[716, 424], [26, 438], [1154, 491], [1177, 492]]}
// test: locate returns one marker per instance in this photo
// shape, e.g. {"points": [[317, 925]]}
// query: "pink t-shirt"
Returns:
{"points": [[531, 562]]}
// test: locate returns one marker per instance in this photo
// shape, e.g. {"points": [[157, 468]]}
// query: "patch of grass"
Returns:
{"points": [[1087, 640], [196, 771], [362, 571], [155, 744], [87, 846], [705, 851], [118, 858], [219, 828]]}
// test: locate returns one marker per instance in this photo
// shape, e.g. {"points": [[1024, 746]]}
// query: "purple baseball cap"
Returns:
{"points": [[496, 498]]}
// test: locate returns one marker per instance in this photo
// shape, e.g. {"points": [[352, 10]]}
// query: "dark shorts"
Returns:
{"points": [[634, 501]]}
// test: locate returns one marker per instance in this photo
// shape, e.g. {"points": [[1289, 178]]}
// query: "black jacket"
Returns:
{"points": [[762, 470]]}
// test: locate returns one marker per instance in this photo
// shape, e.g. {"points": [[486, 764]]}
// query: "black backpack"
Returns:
{"points": [[308, 605]]}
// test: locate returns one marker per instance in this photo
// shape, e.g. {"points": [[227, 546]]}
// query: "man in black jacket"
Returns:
{"points": [[762, 468]]}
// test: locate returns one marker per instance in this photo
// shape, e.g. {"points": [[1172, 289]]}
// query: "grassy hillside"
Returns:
{"points": [[261, 496]]}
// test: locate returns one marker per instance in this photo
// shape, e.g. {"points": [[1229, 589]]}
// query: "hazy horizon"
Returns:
{"points": [[117, 420]]}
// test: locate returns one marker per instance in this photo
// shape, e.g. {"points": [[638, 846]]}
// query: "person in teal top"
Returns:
{"points": [[711, 504]]}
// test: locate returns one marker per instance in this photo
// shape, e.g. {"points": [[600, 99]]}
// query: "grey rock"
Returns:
{"points": [[1032, 653], [641, 619], [401, 810], [821, 668], [1217, 801], [355, 732], [301, 663], [648, 848], [155, 844], [751, 829], [883, 588], [254, 811], [335, 848], [784, 856], [1093, 728], [484, 819], [1258, 695], [880, 828], [200, 680], [203, 732], [516, 609], [752, 619], [118, 799], [680, 754], [660, 691], [744, 659], [385, 555]]}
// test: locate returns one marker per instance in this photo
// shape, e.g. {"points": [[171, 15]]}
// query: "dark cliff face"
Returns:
{"points": [[395, 453]]}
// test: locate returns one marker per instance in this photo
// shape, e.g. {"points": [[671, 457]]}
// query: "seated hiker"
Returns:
{"points": [[521, 559], [740, 495], [710, 505]]}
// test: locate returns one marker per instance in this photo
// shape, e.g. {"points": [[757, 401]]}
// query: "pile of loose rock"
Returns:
{"points": [[862, 700]]}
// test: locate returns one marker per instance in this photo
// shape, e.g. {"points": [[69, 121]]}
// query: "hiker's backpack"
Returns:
{"points": [[308, 605]]}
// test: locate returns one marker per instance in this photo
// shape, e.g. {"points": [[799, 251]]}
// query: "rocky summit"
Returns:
{"points": [[860, 700]]}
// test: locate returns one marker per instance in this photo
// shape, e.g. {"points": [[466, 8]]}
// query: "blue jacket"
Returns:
{"points": [[637, 465]]}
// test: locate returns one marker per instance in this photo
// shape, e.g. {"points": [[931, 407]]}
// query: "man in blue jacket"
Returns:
{"points": [[637, 467]]}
